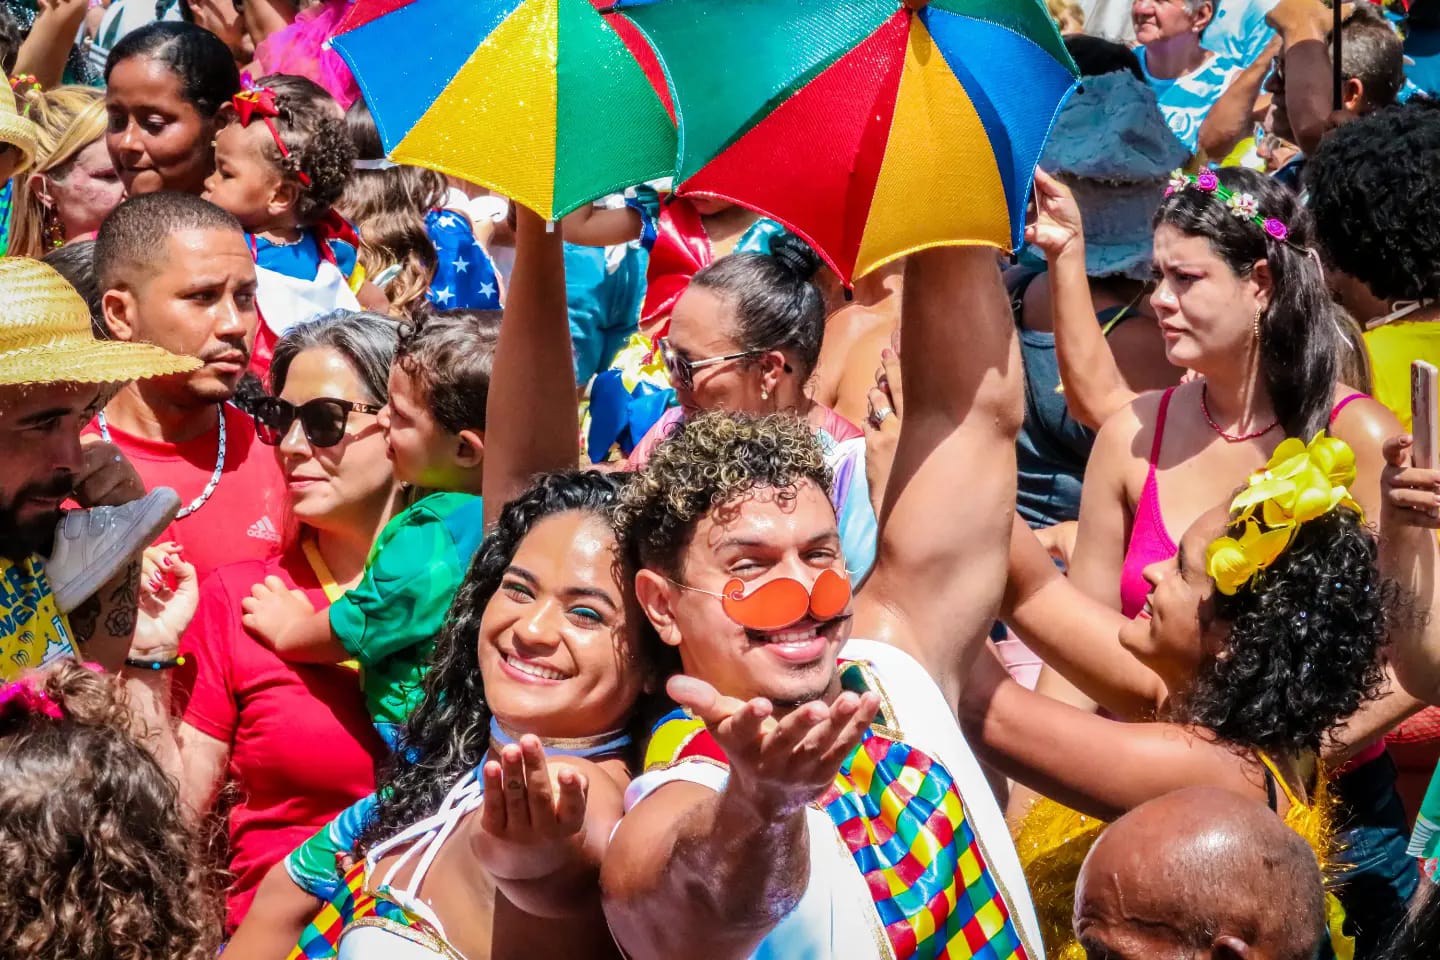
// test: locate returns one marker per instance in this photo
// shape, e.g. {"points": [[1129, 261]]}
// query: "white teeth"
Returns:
{"points": [[794, 636], [534, 669]]}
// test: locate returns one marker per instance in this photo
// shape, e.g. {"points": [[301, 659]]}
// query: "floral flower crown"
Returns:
{"points": [[1301, 482], [1243, 205]]}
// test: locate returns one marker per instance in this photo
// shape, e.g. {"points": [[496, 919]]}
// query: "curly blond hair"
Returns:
{"points": [[709, 461], [95, 859]]}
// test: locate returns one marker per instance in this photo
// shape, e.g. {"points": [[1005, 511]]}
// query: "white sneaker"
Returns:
{"points": [[92, 546]]}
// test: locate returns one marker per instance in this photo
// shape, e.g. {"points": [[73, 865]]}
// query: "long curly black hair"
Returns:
{"points": [[1304, 640], [449, 732]]}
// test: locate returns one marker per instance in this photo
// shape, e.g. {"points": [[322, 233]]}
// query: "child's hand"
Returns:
{"points": [[271, 607], [169, 594]]}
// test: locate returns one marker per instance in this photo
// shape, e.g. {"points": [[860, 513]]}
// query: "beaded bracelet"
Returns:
{"points": [[155, 664]]}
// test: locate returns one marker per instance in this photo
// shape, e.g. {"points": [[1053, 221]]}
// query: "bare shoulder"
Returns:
{"points": [[1364, 422]]}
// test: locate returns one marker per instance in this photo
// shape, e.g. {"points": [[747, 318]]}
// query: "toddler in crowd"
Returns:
{"points": [[435, 429], [282, 159]]}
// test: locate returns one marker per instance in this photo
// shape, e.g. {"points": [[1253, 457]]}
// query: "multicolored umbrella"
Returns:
{"points": [[539, 100], [869, 128]]}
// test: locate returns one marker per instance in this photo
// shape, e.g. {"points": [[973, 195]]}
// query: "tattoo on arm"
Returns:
{"points": [[84, 619], [124, 602]]}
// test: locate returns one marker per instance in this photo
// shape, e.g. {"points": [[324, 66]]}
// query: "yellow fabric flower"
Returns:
{"points": [[1231, 562], [1301, 482]]}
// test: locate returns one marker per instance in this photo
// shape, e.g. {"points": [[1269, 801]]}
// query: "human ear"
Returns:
{"points": [[656, 597], [120, 309]]}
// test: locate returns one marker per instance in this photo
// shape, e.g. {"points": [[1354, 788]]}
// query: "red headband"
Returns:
{"points": [[260, 102]]}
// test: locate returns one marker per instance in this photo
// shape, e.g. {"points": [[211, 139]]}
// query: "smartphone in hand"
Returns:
{"points": [[1425, 411]]}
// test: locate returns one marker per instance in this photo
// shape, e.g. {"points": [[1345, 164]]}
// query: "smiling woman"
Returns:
{"points": [[341, 492], [165, 84]]}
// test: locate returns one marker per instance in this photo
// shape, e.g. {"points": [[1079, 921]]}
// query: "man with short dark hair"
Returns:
{"points": [[1372, 64], [1201, 872], [176, 271], [816, 797]]}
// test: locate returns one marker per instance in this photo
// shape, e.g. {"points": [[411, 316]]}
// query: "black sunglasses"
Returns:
{"points": [[682, 371], [323, 419]]}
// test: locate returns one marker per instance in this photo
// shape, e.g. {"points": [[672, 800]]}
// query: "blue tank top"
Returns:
{"points": [[1052, 447]]}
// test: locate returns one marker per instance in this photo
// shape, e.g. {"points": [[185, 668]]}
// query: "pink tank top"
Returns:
{"points": [[1150, 541]]}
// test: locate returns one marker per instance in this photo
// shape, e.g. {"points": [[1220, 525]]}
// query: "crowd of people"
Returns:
{"points": [[387, 572]]}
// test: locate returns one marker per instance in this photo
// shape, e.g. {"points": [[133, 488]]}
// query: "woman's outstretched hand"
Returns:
{"points": [[530, 801]]}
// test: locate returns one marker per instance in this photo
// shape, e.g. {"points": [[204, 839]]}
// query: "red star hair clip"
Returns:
{"points": [[260, 102]]}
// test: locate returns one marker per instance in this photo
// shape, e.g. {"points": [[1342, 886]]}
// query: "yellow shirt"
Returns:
{"points": [[1392, 347], [33, 631]]}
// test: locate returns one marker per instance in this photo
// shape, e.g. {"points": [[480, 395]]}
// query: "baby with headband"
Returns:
{"points": [[281, 161]]}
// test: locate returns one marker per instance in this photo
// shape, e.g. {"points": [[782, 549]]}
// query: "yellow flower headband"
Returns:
{"points": [[1301, 482]]}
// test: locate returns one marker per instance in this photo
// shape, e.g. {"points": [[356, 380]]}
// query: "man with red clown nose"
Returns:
{"points": [[814, 797]]}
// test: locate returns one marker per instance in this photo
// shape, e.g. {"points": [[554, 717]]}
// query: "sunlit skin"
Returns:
{"points": [[701, 327], [198, 300], [556, 644], [344, 486], [1175, 631], [1156, 20], [757, 539], [245, 181], [1205, 310], [40, 445], [157, 139], [424, 452], [83, 191]]}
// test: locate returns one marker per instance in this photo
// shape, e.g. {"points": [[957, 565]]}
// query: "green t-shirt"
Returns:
{"points": [[389, 622]]}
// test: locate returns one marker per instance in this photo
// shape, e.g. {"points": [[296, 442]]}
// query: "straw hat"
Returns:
{"points": [[45, 335], [16, 129]]}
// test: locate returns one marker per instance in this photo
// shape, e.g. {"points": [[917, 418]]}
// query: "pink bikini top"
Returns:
{"points": [[1150, 541]]}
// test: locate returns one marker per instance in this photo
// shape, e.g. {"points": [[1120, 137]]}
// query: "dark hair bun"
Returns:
{"points": [[795, 255]]}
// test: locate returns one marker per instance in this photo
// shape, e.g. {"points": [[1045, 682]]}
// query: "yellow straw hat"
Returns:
{"points": [[45, 335], [20, 131]]}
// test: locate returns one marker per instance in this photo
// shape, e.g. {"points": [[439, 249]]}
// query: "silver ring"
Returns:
{"points": [[878, 417]]}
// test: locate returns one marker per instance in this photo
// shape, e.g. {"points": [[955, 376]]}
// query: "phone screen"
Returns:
{"points": [[1424, 396]]}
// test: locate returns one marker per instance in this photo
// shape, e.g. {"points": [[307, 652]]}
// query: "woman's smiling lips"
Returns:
{"points": [[530, 671]]}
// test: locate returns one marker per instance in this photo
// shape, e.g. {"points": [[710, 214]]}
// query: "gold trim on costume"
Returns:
{"points": [[421, 938]]}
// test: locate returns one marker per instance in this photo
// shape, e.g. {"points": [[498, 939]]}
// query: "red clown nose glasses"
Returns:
{"points": [[778, 603]]}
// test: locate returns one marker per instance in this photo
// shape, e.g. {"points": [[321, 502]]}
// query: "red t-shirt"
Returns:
{"points": [[302, 746], [245, 516]]}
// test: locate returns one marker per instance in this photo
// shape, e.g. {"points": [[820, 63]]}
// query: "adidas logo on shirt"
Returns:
{"points": [[263, 529]]}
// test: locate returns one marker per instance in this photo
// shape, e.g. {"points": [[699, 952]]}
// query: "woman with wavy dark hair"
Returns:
{"points": [[1261, 636], [95, 857], [510, 774]]}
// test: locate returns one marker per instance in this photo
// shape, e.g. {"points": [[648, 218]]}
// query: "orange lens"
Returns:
{"points": [[830, 596], [771, 606]]}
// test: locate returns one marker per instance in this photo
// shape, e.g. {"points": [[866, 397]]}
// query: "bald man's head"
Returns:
{"points": [[1200, 873]]}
